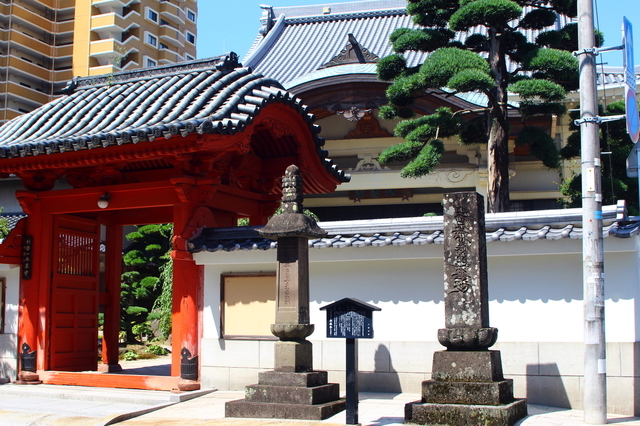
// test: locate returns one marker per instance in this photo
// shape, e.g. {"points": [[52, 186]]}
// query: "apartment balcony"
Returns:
{"points": [[62, 75], [65, 27], [111, 68], [109, 25], [26, 15], [171, 12], [106, 50], [39, 47], [8, 114], [166, 56], [26, 94], [109, 50], [59, 4], [171, 36], [109, 3], [25, 67], [103, 69]]}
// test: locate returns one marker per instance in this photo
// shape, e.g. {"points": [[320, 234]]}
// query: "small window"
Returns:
{"points": [[248, 306], [152, 15], [152, 40], [163, 46], [191, 16], [150, 63], [191, 38], [189, 57], [3, 303]]}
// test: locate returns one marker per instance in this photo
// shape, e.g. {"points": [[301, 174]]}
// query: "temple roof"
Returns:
{"points": [[312, 35], [500, 227], [216, 96]]}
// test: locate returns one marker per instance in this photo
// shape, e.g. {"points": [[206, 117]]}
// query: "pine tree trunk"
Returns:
{"points": [[498, 143]]}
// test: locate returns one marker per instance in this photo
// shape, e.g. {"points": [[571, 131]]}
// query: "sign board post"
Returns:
{"points": [[350, 319]]}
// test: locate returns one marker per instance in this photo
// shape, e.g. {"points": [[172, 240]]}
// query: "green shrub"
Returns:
{"points": [[157, 350], [130, 356]]}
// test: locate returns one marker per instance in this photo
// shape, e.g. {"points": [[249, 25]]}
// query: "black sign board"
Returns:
{"points": [[350, 319]]}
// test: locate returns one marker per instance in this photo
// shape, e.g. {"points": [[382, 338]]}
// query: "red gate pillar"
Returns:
{"points": [[34, 289], [188, 218], [112, 280]]}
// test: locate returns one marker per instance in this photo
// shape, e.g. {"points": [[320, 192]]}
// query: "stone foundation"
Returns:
{"points": [[467, 389], [465, 415], [287, 395]]}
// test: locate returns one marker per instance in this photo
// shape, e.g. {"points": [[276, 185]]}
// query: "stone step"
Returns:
{"points": [[488, 393], [267, 410], [293, 394], [465, 415], [280, 378]]}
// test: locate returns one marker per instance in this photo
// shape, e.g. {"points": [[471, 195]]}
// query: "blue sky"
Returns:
{"points": [[232, 25]]}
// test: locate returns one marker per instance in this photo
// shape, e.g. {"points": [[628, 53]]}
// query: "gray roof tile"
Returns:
{"points": [[549, 225], [311, 37], [207, 96]]}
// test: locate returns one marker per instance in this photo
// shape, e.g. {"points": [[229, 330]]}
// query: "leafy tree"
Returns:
{"points": [[141, 283], [494, 61], [4, 226], [163, 304], [615, 141]]}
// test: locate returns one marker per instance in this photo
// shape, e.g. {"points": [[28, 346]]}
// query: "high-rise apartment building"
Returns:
{"points": [[45, 43]]}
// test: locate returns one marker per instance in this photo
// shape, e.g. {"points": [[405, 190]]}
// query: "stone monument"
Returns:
{"points": [[293, 390], [467, 387]]}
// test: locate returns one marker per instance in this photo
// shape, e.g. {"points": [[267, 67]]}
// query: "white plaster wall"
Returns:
{"points": [[535, 292], [535, 288], [8, 340]]}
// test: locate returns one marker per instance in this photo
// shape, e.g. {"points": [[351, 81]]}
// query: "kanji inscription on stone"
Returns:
{"points": [[465, 261]]}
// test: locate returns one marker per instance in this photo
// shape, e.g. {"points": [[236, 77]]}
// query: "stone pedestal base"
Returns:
{"points": [[467, 389], [185, 385], [294, 356], [465, 415], [287, 395], [28, 378]]}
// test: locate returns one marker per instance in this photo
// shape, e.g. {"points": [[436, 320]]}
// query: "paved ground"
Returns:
{"points": [[48, 405]]}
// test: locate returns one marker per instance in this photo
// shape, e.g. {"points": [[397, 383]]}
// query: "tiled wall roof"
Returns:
{"points": [[500, 227]]}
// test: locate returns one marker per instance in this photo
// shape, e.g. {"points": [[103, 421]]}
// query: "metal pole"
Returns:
{"points": [[595, 396], [352, 381]]}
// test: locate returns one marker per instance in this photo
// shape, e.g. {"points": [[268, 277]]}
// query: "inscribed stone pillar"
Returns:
{"points": [[293, 390], [466, 301], [292, 228], [467, 387]]}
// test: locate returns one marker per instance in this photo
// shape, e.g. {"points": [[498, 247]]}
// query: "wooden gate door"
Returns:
{"points": [[73, 332]]}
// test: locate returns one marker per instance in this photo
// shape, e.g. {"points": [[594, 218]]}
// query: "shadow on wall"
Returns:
{"points": [[383, 378], [545, 386]]}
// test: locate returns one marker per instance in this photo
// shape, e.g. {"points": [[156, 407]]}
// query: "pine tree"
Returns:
{"points": [[495, 58], [615, 146], [141, 283]]}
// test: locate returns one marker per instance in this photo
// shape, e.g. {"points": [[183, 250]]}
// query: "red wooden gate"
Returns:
{"points": [[74, 294]]}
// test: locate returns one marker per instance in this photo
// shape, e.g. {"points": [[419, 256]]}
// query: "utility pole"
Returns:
{"points": [[595, 378]]}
